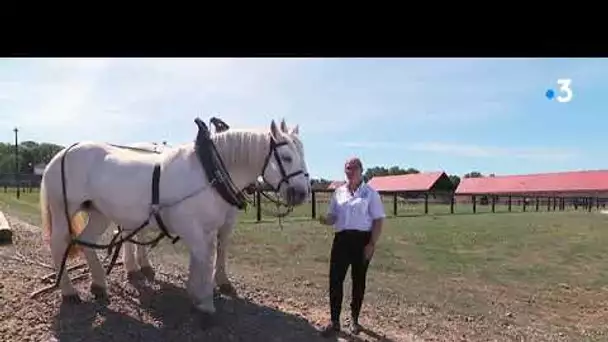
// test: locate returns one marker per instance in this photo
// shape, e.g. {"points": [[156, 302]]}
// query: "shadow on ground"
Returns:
{"points": [[165, 313]]}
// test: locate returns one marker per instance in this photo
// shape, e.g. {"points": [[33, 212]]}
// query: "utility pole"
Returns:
{"points": [[17, 163]]}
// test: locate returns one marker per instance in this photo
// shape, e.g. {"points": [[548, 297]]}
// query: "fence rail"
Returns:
{"points": [[402, 205]]}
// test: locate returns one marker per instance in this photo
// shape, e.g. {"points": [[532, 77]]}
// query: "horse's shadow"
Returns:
{"points": [[172, 318]]}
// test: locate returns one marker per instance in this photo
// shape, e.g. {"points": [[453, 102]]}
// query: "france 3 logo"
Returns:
{"points": [[563, 93]]}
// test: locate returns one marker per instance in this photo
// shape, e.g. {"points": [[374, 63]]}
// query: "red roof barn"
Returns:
{"points": [[335, 184], [574, 183], [414, 182]]}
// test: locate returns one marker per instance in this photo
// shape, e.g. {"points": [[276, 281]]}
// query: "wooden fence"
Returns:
{"points": [[397, 204]]}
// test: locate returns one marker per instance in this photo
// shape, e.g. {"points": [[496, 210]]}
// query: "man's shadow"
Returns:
{"points": [[172, 318]]}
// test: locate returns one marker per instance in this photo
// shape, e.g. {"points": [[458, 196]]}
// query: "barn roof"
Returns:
{"points": [[335, 184], [574, 181], [410, 182]]}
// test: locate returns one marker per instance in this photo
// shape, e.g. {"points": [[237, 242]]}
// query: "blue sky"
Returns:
{"points": [[456, 115]]}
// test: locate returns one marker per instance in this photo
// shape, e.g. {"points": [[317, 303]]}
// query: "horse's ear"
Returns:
{"points": [[296, 130], [274, 130], [283, 126]]}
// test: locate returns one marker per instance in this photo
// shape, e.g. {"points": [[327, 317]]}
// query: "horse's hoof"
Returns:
{"points": [[227, 290], [207, 309], [71, 299], [207, 320], [135, 277], [148, 272], [99, 292]]}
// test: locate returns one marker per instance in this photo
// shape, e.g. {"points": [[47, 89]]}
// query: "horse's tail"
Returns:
{"points": [[77, 220]]}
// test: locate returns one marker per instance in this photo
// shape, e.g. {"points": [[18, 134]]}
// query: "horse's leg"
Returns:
{"points": [[223, 240], [60, 238], [96, 226], [200, 277], [142, 259], [200, 241], [129, 259]]}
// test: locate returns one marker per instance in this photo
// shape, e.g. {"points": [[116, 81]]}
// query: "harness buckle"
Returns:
{"points": [[154, 208]]}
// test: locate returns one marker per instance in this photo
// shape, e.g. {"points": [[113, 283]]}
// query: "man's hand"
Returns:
{"points": [[369, 251]]}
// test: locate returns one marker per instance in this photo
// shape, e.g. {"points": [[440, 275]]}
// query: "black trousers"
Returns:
{"points": [[348, 250]]}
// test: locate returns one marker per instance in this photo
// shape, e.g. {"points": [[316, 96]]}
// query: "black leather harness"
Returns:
{"points": [[214, 167], [216, 174]]}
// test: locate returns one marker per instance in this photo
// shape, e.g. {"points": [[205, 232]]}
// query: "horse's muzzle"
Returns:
{"points": [[295, 196]]}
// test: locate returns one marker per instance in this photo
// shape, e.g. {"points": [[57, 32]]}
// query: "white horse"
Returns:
{"points": [[135, 257], [113, 184]]}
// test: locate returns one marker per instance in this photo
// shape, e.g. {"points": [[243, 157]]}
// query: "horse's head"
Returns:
{"points": [[285, 167]]}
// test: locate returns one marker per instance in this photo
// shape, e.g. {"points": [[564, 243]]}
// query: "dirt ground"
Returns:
{"points": [[156, 310]]}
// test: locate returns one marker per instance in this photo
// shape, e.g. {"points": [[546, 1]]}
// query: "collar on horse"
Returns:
{"points": [[214, 167]]}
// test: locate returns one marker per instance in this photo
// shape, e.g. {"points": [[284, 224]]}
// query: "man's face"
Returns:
{"points": [[352, 170]]}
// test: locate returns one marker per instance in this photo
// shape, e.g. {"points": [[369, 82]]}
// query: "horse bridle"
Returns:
{"points": [[273, 151]]}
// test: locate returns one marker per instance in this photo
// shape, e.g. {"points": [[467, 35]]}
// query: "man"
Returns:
{"points": [[356, 211]]}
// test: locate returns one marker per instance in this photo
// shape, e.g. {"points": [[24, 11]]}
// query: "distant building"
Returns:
{"points": [[39, 169], [436, 186], [572, 184], [335, 184]]}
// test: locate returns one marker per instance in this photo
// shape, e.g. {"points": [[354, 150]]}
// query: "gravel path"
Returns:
{"points": [[149, 311]]}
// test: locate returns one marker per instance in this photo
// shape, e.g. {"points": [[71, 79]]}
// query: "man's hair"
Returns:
{"points": [[357, 162]]}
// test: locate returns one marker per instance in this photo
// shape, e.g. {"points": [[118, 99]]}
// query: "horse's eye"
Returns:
{"points": [[286, 159]]}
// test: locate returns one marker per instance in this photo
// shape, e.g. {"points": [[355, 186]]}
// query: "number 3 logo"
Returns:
{"points": [[564, 88]]}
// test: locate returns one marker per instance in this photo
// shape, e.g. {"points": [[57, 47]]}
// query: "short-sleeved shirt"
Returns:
{"points": [[358, 211]]}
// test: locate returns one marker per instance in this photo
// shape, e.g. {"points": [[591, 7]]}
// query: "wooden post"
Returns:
{"points": [[452, 204], [537, 203], [548, 203], [554, 203], [258, 195], [474, 200], [597, 203], [590, 203], [16, 130], [493, 203], [510, 198], [6, 233], [563, 202], [313, 201], [395, 204], [426, 202], [524, 204]]}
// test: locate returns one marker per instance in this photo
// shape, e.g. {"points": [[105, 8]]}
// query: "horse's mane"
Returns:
{"points": [[242, 147], [238, 147]]}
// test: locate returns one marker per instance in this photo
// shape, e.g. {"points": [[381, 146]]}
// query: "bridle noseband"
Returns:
{"points": [[273, 151]]}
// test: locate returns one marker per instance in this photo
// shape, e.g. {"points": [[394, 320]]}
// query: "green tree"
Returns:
{"points": [[371, 172], [473, 174], [455, 180], [30, 154]]}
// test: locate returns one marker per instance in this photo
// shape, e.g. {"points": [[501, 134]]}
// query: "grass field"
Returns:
{"points": [[542, 276]]}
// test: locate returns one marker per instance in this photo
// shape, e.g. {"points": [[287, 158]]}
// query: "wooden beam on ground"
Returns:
{"points": [[6, 233]]}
